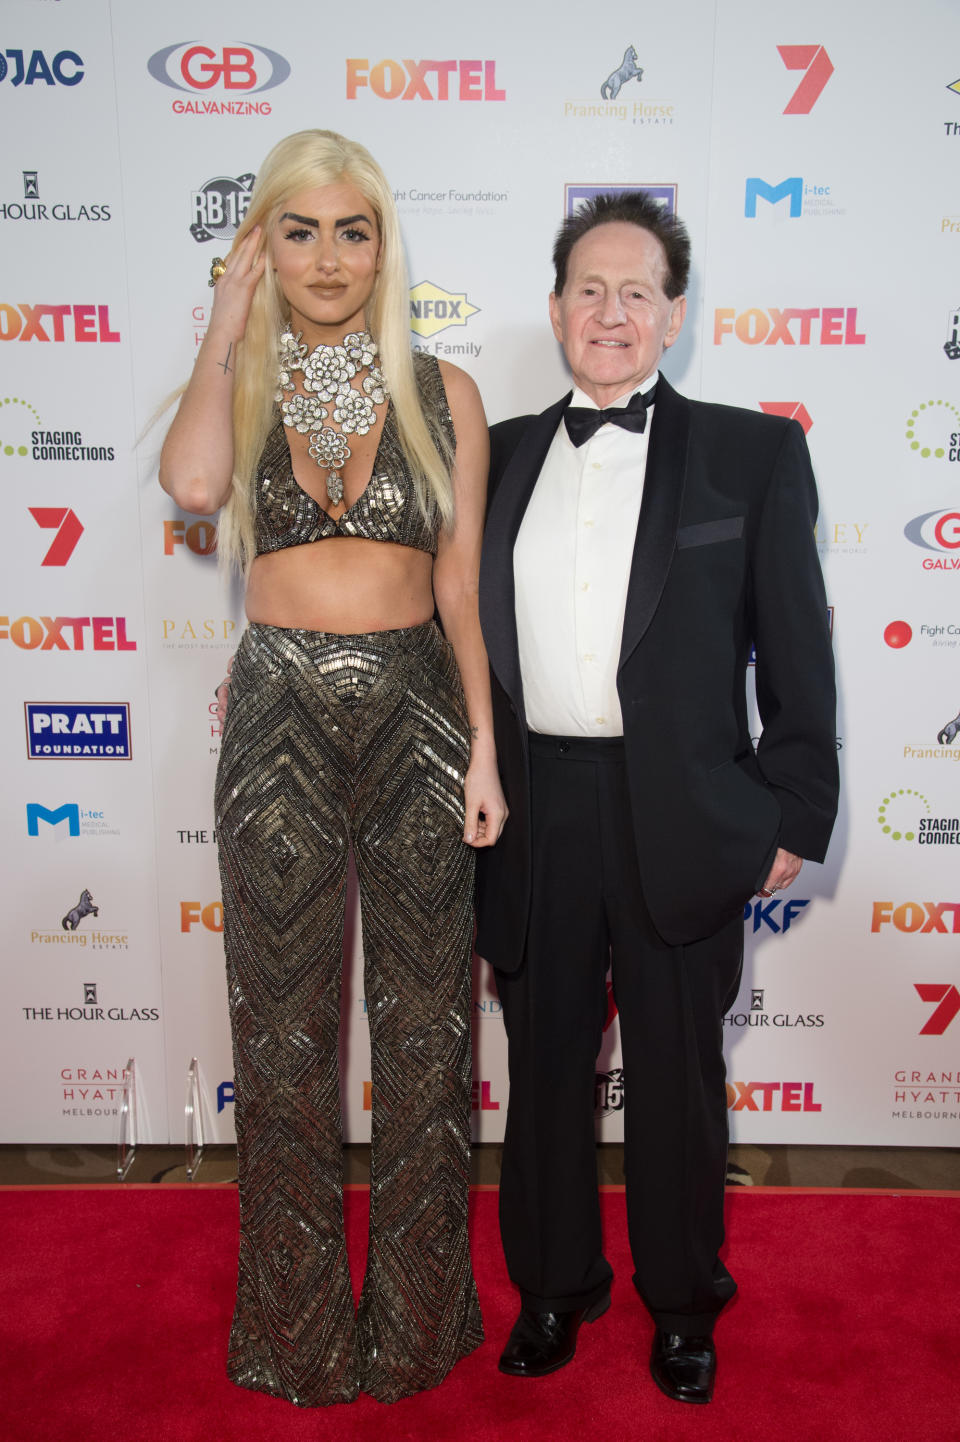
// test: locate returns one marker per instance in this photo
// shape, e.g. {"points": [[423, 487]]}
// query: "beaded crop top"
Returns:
{"points": [[386, 510]]}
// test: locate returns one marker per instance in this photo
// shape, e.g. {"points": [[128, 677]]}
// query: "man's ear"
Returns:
{"points": [[677, 315], [555, 316]]}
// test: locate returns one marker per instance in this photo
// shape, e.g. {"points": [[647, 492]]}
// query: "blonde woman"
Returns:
{"points": [[350, 476]]}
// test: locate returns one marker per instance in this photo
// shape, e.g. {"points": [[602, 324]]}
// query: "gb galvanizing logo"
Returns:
{"points": [[232, 69], [78, 730]]}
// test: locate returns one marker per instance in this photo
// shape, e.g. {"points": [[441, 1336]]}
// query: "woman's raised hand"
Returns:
{"points": [[234, 290]]}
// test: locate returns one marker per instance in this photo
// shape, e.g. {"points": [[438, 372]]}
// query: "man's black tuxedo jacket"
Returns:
{"points": [[724, 559]]}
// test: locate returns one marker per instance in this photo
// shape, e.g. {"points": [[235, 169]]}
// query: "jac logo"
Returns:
{"points": [[792, 410], [46, 633], [192, 67], [935, 530], [816, 62], [68, 529], [835, 325], [777, 915], [921, 916], [410, 79], [947, 1000], [200, 537], [194, 913], [49, 322], [433, 309], [66, 68], [759, 1097]]}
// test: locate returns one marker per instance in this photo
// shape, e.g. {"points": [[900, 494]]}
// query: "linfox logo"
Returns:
{"points": [[923, 917], [219, 207], [68, 528], [411, 79], [46, 633], [777, 914], [244, 68], [947, 1000], [792, 410], [84, 731], [754, 1096], [46, 322], [200, 537], [195, 913], [433, 310], [816, 62], [65, 68], [832, 325]]}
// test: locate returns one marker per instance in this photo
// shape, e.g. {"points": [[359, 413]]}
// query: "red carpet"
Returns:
{"points": [[115, 1305]]}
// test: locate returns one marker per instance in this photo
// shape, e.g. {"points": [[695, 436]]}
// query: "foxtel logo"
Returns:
{"points": [[200, 537], [759, 1097], [948, 999], [481, 1097], [194, 913], [408, 79], [68, 529], [45, 633], [25, 322], [837, 325], [818, 66], [921, 916]]}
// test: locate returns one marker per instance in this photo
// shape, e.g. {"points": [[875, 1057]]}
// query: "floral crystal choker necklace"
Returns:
{"points": [[328, 371]]}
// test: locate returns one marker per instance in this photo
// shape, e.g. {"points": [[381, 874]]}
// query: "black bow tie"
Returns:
{"points": [[582, 423]]}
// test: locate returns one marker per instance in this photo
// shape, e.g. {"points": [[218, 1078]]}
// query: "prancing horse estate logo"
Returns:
{"points": [[628, 69]]}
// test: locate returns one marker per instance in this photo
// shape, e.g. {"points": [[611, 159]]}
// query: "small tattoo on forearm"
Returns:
{"points": [[225, 364], [474, 732]]}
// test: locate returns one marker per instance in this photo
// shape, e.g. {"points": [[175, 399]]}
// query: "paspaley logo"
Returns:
{"points": [[947, 1004], [33, 208], [792, 410], [928, 430], [78, 731], [68, 528], [198, 633], [433, 309], [56, 322], [665, 195], [64, 68], [67, 633], [793, 1096], [425, 79], [923, 917], [191, 67], [219, 206], [794, 325], [815, 61]]}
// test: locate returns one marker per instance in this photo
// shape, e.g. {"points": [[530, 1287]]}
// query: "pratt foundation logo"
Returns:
{"points": [[831, 325], [78, 731], [808, 198], [817, 67], [929, 433], [925, 917], [73, 933], [788, 1096], [574, 195], [65, 68], [232, 70], [219, 206], [22, 436], [758, 1016], [67, 633], [43, 210], [47, 322], [67, 525], [947, 1003], [906, 815], [433, 310], [424, 79], [619, 98], [926, 1089], [608, 1095]]}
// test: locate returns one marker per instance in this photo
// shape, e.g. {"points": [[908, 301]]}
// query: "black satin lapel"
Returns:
{"points": [[498, 617], [659, 513]]}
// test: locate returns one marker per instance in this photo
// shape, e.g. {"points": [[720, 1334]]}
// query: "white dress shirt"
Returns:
{"points": [[571, 567]]}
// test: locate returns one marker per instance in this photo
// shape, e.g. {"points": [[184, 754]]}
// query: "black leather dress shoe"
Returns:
{"points": [[683, 1367], [541, 1342]]}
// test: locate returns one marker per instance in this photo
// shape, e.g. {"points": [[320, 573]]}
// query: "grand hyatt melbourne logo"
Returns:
{"points": [[232, 70], [78, 731], [617, 101], [32, 207], [927, 1089], [219, 207], [575, 195]]}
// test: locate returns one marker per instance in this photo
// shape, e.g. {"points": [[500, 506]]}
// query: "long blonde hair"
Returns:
{"points": [[306, 161]]}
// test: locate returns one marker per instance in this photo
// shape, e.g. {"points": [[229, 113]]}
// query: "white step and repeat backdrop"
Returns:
{"points": [[814, 154]]}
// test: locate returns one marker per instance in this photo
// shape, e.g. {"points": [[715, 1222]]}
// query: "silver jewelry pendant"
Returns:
{"points": [[327, 374]]}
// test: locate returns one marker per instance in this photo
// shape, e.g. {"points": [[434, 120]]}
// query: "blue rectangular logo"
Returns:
{"points": [[78, 730], [574, 194]]}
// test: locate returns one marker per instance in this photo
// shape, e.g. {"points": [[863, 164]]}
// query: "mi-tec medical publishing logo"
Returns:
{"points": [[78, 730], [810, 198]]}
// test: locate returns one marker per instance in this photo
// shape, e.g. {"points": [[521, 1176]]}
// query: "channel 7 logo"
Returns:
{"points": [[948, 1004]]}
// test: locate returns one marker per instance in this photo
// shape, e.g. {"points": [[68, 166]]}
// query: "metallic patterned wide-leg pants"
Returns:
{"points": [[334, 743]]}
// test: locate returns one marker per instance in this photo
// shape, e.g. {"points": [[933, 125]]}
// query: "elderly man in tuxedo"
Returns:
{"points": [[638, 546]]}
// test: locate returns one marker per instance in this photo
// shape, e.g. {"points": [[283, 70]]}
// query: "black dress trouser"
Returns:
{"points": [[588, 910]]}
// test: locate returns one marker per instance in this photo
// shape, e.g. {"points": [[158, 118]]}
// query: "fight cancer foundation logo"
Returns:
{"points": [[616, 98]]}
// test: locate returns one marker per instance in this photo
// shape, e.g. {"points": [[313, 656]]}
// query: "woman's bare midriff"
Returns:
{"points": [[342, 584]]}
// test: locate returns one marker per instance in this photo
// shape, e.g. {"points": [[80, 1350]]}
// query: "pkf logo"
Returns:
{"points": [[78, 731], [433, 310], [47, 322], [815, 61], [219, 207], [243, 69], [67, 633], [792, 410], [66, 68], [68, 528], [947, 1000], [794, 325], [769, 914], [411, 79]]}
